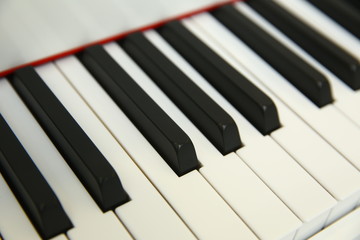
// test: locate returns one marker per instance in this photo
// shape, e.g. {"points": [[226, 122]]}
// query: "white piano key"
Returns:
{"points": [[248, 133], [206, 152], [302, 208], [88, 220], [340, 89], [60, 237], [192, 198], [344, 137], [224, 182], [253, 201], [14, 224], [309, 201], [147, 215], [349, 107], [323, 24], [328, 201], [346, 99], [347, 190], [216, 168], [345, 228], [325, 164]]}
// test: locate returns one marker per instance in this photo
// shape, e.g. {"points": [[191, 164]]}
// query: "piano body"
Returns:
{"points": [[179, 120]]}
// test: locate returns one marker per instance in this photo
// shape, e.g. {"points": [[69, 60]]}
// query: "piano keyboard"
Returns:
{"points": [[238, 123]]}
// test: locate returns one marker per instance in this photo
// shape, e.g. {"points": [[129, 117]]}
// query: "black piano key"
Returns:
{"points": [[354, 3], [209, 117], [164, 135], [257, 107], [342, 64], [29, 186], [304, 77], [93, 170], [342, 12]]}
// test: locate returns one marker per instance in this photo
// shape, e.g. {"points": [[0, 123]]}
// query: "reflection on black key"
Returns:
{"points": [[258, 108], [164, 135], [309, 81], [341, 12], [30, 187], [342, 64], [213, 121], [94, 171]]}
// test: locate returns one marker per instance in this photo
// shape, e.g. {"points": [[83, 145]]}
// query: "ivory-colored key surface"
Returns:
{"points": [[86, 216], [323, 24], [346, 99], [157, 218], [323, 162], [345, 228], [315, 223], [190, 196], [216, 167], [289, 117]]}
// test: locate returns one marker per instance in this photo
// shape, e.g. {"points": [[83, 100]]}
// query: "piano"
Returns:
{"points": [[180, 120]]}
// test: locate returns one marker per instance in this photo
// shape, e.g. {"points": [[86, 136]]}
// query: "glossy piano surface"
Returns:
{"points": [[32, 31]]}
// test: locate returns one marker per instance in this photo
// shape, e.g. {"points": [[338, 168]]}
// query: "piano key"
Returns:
{"points": [[293, 146], [354, 3], [80, 153], [169, 140], [349, 107], [309, 81], [206, 150], [343, 65], [346, 99], [30, 187], [232, 169], [316, 156], [336, 128], [88, 219], [330, 28], [214, 123], [323, 24], [248, 130], [147, 215], [315, 219], [190, 196], [13, 216], [341, 12], [60, 237], [251, 102], [326, 26], [345, 228]]}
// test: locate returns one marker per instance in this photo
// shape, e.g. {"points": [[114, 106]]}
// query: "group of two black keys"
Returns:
{"points": [[87, 162]]}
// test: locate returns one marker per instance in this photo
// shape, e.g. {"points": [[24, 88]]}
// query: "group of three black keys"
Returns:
{"points": [[87, 162]]}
